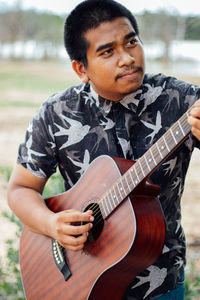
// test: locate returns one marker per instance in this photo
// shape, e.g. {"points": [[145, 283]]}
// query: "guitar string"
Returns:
{"points": [[96, 211], [183, 120]]}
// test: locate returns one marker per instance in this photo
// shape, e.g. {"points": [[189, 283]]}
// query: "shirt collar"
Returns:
{"points": [[129, 101]]}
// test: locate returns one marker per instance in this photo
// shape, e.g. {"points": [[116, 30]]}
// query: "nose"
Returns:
{"points": [[125, 58]]}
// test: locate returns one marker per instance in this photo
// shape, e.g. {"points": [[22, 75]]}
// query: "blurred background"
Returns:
{"points": [[34, 64]]}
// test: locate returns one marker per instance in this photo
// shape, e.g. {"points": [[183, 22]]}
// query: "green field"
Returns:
{"points": [[28, 83]]}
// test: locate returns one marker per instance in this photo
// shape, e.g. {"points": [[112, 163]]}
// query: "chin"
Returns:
{"points": [[130, 91]]}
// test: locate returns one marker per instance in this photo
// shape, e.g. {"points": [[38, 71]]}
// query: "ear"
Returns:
{"points": [[80, 70]]}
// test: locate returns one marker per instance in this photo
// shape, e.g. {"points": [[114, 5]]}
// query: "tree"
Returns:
{"points": [[160, 26]]}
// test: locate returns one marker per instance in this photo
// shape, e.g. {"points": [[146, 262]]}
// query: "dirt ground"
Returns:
{"points": [[12, 128]]}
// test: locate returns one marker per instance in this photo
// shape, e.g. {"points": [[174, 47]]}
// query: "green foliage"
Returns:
{"points": [[192, 282], [17, 24], [47, 29], [192, 28], [54, 186], [31, 82], [6, 172], [10, 280], [11, 287]]}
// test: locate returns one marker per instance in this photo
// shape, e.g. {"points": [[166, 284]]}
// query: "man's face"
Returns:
{"points": [[115, 59]]}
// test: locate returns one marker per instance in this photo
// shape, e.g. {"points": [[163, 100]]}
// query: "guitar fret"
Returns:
{"points": [[136, 176], [121, 188], [169, 140], [184, 124], [112, 200], [173, 136], [124, 185], [166, 143], [120, 195], [141, 167], [117, 195], [114, 196], [187, 127], [181, 128], [102, 209], [136, 172], [108, 202], [147, 162], [159, 150], [106, 209], [127, 183], [163, 146], [152, 157], [132, 179], [144, 165]]}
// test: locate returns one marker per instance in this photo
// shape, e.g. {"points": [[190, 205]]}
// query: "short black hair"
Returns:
{"points": [[87, 15]]}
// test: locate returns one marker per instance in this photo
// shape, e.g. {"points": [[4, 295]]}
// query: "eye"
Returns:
{"points": [[132, 42], [107, 52]]}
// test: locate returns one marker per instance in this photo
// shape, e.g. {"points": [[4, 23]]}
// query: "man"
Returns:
{"points": [[117, 110]]}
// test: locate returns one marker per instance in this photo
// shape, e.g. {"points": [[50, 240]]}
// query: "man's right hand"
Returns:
{"points": [[66, 231]]}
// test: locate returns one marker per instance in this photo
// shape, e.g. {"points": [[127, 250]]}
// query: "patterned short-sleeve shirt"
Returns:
{"points": [[75, 126]]}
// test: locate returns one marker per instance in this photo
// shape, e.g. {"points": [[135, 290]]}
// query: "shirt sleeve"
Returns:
{"points": [[38, 151]]}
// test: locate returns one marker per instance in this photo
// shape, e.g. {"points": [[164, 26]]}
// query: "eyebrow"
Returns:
{"points": [[129, 35], [108, 45]]}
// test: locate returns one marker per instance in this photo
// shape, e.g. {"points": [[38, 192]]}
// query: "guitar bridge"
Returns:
{"points": [[60, 260]]}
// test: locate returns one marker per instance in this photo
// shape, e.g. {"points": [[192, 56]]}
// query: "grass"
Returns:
{"points": [[20, 82], [36, 76], [11, 287], [30, 82], [7, 104]]}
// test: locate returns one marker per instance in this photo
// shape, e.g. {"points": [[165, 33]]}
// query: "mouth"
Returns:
{"points": [[129, 74]]}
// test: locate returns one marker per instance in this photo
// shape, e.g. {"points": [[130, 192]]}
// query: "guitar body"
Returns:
{"points": [[131, 239]]}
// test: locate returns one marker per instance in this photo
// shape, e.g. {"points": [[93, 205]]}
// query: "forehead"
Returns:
{"points": [[109, 31]]}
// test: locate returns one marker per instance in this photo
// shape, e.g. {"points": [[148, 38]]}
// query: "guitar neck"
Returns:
{"points": [[145, 165]]}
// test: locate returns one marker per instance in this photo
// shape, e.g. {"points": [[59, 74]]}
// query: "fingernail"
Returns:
{"points": [[91, 218]]}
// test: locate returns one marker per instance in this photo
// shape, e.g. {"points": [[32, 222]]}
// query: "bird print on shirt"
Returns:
{"points": [[151, 95], [31, 152], [84, 164], [171, 165], [108, 124], [155, 278], [156, 128], [173, 95], [75, 133]]}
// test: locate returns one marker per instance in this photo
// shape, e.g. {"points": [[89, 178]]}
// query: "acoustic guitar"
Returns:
{"points": [[127, 236]]}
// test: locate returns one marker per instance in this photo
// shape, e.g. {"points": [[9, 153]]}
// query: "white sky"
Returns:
{"points": [[137, 6]]}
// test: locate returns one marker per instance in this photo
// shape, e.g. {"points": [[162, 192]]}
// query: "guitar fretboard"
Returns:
{"points": [[145, 165]]}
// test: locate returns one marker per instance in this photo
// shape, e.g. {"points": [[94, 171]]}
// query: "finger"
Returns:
{"points": [[196, 132], [76, 216], [76, 230], [197, 103], [74, 243], [194, 122], [195, 112]]}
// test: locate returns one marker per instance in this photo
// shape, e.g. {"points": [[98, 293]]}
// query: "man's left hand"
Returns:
{"points": [[194, 119]]}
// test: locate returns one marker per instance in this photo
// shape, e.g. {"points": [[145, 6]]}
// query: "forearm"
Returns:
{"points": [[30, 208], [24, 198]]}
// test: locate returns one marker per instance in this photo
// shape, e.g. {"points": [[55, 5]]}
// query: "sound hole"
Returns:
{"points": [[98, 222]]}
